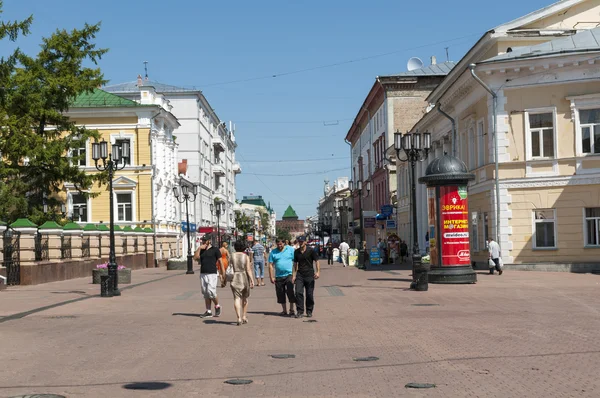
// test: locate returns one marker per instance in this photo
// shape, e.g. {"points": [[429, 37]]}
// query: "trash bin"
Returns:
{"points": [[421, 276], [105, 283]]}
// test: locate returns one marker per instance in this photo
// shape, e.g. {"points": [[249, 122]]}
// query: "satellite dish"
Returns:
{"points": [[414, 63]]}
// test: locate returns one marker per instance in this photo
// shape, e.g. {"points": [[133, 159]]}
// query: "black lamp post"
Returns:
{"points": [[416, 148], [111, 163], [342, 207], [219, 208], [186, 196], [359, 189]]}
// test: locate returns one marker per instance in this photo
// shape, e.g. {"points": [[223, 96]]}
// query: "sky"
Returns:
{"points": [[292, 77]]}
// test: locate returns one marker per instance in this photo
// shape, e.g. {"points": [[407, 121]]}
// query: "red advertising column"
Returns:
{"points": [[454, 226]]}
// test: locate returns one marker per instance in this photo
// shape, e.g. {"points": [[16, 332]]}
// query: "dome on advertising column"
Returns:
{"points": [[446, 169]]}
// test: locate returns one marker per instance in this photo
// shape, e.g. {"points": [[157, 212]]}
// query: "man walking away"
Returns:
{"points": [[329, 253], [403, 250], [344, 252], [258, 251], [210, 265], [494, 250], [304, 276], [281, 263]]}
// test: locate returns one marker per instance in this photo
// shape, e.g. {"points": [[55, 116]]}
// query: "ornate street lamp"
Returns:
{"points": [[182, 194], [359, 190], [416, 148], [219, 208], [111, 163]]}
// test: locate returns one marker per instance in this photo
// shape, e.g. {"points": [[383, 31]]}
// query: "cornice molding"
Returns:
{"points": [[550, 182]]}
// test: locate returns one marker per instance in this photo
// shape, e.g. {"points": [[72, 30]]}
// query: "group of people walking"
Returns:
{"points": [[293, 271]]}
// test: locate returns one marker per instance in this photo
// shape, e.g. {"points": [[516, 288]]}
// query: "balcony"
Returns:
{"points": [[218, 143], [218, 169], [220, 194], [237, 169]]}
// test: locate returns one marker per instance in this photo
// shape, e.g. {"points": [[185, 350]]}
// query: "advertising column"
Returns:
{"points": [[454, 224]]}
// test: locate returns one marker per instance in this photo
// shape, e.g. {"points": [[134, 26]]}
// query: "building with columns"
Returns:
{"points": [[534, 154], [206, 144]]}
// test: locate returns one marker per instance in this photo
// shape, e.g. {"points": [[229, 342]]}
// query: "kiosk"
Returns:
{"points": [[446, 178]]}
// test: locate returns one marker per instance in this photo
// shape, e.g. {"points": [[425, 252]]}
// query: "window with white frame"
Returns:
{"points": [[79, 153], [541, 135], [79, 207], [120, 141], [124, 207], [589, 122], [474, 232], [592, 226], [471, 145], [544, 229], [480, 144]]}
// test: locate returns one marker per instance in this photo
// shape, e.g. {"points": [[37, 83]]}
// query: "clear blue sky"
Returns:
{"points": [[203, 43]]}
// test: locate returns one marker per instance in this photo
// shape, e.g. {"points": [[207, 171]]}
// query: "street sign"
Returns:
{"points": [[374, 256], [184, 226], [387, 210], [390, 224], [370, 222]]}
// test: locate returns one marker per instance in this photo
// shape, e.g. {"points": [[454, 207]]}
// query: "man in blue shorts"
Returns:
{"points": [[281, 263]]}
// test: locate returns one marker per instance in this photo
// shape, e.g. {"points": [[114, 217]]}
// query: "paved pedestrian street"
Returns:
{"points": [[522, 334]]}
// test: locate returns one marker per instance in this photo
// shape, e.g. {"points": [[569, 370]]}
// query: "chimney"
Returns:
{"points": [[139, 80], [433, 60]]}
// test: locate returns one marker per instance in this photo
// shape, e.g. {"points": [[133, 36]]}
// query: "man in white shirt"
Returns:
{"points": [[344, 252], [494, 250]]}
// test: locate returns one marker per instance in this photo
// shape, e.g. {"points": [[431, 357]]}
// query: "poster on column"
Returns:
{"points": [[432, 216], [454, 211]]}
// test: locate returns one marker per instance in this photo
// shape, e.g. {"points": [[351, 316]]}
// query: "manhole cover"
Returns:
{"points": [[425, 305], [147, 385], [365, 359], [311, 321], [420, 385], [39, 396], [237, 382], [283, 356]]}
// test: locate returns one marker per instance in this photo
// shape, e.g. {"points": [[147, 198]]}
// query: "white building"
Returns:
{"points": [[334, 214], [206, 144]]}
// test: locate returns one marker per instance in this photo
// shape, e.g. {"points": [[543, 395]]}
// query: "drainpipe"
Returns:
{"points": [[438, 106], [495, 135]]}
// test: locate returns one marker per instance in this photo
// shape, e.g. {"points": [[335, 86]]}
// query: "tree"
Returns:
{"points": [[265, 221], [284, 233], [36, 138]]}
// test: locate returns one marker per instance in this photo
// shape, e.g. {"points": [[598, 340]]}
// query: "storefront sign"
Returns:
{"points": [[432, 216], [374, 256], [370, 222], [387, 210], [390, 224], [454, 222]]}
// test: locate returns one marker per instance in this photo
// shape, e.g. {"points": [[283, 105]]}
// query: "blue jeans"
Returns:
{"points": [[259, 268]]}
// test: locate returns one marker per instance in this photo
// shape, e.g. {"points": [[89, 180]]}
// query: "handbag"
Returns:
{"points": [[230, 271]]}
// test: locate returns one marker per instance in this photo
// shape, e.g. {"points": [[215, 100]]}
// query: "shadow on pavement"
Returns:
{"points": [[215, 322], [147, 385], [268, 313], [391, 279], [186, 314]]}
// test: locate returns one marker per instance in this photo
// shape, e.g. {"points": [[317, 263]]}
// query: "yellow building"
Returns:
{"points": [[143, 189], [543, 71]]}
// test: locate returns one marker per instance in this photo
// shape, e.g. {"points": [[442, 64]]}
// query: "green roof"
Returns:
{"points": [[50, 225], [254, 200], [289, 213], [23, 223], [71, 226], [102, 99]]}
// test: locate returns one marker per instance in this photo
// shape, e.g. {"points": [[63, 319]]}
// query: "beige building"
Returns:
{"points": [[543, 69]]}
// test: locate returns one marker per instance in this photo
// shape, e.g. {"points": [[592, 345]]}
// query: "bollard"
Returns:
{"points": [[421, 281], [105, 284]]}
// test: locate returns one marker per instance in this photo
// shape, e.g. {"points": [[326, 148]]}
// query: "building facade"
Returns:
{"points": [[290, 222], [534, 155], [206, 144], [334, 213]]}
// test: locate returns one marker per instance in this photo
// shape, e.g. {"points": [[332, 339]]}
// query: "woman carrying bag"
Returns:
{"points": [[239, 274]]}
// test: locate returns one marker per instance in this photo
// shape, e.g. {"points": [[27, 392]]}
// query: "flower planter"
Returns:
{"points": [[123, 275], [178, 265]]}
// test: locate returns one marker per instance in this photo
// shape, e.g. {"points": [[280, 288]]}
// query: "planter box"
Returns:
{"points": [[179, 265], [123, 275]]}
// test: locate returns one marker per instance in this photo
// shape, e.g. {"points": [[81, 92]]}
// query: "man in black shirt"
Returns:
{"points": [[304, 276], [209, 256]]}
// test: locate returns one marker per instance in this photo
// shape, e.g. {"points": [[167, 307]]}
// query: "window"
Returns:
{"points": [[480, 144], [592, 226], [79, 153], [486, 231], [124, 203], [120, 142], [471, 144], [541, 135], [589, 121], [544, 229], [79, 207], [474, 232]]}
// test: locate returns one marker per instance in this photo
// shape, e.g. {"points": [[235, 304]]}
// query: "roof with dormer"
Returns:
{"points": [[102, 99], [159, 87], [289, 214]]}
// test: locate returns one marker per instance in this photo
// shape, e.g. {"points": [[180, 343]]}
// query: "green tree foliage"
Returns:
{"points": [[243, 224], [36, 137], [265, 221], [284, 233]]}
